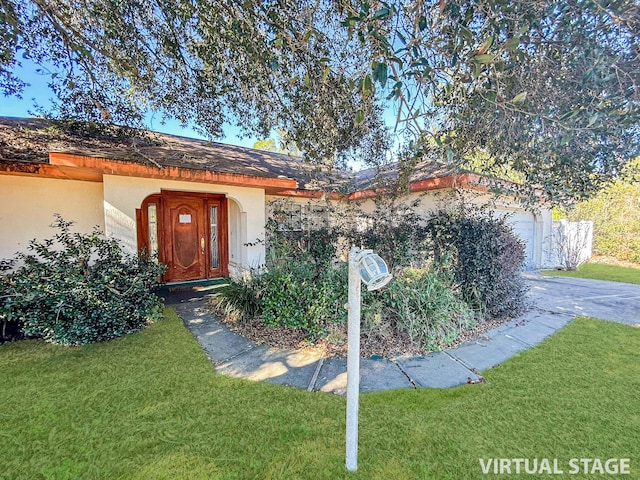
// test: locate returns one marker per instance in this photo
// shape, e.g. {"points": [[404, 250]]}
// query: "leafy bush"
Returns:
{"points": [[487, 258], [294, 295], [299, 286], [422, 302], [240, 299], [322, 246], [394, 231], [10, 327], [77, 288], [476, 273], [296, 230], [288, 294]]}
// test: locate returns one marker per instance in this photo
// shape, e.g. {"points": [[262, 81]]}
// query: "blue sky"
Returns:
{"points": [[39, 92]]}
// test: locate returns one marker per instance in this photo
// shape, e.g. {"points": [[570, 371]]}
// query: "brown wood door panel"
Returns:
{"points": [[184, 239]]}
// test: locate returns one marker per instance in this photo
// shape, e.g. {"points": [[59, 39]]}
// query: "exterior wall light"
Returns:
{"points": [[365, 266], [372, 269]]}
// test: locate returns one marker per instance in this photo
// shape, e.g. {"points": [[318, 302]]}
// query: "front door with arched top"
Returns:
{"points": [[189, 231]]}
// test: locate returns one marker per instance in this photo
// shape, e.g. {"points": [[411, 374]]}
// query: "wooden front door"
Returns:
{"points": [[184, 238], [189, 231]]}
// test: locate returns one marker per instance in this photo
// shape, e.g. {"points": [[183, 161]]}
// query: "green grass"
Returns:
{"points": [[149, 406], [599, 271]]}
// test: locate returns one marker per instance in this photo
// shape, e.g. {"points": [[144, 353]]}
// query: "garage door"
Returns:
{"points": [[524, 226]]}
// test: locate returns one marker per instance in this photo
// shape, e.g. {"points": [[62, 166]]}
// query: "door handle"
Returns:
{"points": [[202, 244]]}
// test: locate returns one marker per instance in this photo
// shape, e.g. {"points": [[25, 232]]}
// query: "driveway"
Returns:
{"points": [[619, 302]]}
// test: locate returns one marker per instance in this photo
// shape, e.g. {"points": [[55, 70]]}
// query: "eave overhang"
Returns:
{"points": [[79, 167], [468, 180]]}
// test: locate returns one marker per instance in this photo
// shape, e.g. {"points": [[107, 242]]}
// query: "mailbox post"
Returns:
{"points": [[365, 266]]}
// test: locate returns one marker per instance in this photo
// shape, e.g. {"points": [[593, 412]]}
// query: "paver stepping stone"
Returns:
{"points": [[333, 376], [294, 368], [437, 370], [483, 354], [381, 374]]}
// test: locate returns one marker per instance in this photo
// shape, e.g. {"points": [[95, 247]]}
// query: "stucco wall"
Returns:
{"points": [[122, 195], [28, 204]]}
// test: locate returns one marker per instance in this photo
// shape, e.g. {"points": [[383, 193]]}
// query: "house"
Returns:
{"points": [[200, 205], [432, 184]]}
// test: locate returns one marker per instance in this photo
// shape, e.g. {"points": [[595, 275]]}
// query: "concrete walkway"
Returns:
{"points": [[556, 301]]}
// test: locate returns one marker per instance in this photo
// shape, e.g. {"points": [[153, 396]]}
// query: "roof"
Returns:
{"points": [[41, 141], [31, 140], [376, 177]]}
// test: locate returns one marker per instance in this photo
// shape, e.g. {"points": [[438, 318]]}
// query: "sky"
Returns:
{"points": [[39, 92]]}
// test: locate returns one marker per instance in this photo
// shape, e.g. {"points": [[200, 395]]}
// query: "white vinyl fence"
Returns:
{"points": [[572, 243]]}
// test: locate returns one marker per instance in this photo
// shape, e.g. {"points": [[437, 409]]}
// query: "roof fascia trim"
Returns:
{"points": [[126, 168]]}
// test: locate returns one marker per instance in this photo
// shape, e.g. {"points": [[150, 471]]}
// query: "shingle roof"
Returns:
{"points": [[376, 177], [31, 139]]}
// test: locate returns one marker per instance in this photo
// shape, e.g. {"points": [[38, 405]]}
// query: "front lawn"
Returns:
{"points": [[150, 406], [599, 271]]}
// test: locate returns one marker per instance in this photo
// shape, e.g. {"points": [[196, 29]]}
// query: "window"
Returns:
{"points": [[294, 217], [214, 237], [317, 216], [299, 217], [152, 215]]}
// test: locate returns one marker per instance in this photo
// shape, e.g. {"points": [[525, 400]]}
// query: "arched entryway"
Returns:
{"points": [[188, 231]]}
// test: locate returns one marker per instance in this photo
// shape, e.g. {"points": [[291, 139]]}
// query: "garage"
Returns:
{"points": [[524, 226]]}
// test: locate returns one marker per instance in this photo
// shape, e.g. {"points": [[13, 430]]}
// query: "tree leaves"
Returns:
{"points": [[380, 73], [512, 44], [485, 58], [382, 13], [548, 90], [422, 23], [519, 98]]}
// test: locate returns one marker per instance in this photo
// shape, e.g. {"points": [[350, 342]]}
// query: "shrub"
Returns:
{"points": [[476, 273], [240, 300], [393, 231], [322, 246], [422, 302], [75, 289], [288, 294], [294, 295], [10, 327], [487, 258], [300, 288], [296, 231]]}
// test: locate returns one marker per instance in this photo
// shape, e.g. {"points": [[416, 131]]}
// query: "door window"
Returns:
{"points": [[152, 215], [215, 254]]}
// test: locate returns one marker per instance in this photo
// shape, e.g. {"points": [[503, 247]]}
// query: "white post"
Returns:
{"points": [[353, 360]]}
